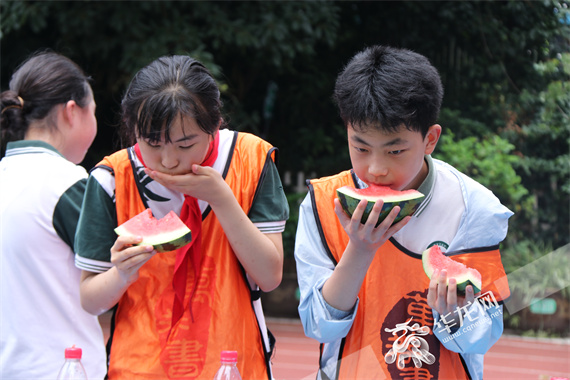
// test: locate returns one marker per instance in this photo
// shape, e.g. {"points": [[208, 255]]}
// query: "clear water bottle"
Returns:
{"points": [[72, 368], [228, 370]]}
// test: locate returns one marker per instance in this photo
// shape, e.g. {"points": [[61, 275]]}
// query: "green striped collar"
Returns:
{"points": [[30, 146]]}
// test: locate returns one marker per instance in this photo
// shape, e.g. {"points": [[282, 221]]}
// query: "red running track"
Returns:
{"points": [[512, 357], [296, 356]]}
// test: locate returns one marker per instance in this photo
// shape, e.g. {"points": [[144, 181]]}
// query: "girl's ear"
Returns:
{"points": [[432, 137], [69, 111]]}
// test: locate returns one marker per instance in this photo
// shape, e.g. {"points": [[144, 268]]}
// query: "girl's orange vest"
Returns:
{"points": [[394, 290], [222, 303]]}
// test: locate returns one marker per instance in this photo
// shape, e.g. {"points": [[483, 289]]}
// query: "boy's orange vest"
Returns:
{"points": [[222, 303], [393, 302]]}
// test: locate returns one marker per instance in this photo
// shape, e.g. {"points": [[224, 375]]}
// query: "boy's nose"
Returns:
{"points": [[377, 169]]}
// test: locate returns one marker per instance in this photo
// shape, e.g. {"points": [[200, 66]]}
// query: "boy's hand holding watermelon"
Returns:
{"points": [[443, 297], [368, 237], [365, 239], [452, 286]]}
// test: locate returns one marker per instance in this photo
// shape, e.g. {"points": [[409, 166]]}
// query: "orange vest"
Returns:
{"points": [[222, 302], [393, 302]]}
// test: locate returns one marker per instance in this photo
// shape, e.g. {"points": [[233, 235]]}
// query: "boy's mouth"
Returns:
{"points": [[379, 185]]}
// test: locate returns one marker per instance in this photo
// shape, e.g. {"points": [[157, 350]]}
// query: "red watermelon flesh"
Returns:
{"points": [[165, 234], [407, 200], [433, 259], [375, 192]]}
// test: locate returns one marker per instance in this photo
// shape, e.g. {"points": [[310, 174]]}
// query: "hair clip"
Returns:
{"points": [[21, 105]]}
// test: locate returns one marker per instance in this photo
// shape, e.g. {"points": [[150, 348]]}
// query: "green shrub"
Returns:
{"points": [[488, 159]]}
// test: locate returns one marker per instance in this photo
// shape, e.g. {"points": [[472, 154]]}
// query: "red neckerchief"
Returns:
{"points": [[192, 217]]}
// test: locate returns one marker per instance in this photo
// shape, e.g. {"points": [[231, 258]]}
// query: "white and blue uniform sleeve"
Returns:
{"points": [[320, 320], [484, 224]]}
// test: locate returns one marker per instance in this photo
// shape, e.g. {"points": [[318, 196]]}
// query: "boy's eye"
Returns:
{"points": [[396, 152], [360, 150]]}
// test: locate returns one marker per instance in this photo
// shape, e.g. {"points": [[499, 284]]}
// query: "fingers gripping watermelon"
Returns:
{"points": [[408, 200], [166, 234], [433, 259]]}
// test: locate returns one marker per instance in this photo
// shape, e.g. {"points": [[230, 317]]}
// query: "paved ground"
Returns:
{"points": [[517, 358]]}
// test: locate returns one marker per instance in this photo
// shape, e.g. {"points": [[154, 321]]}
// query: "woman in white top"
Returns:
{"points": [[48, 123]]}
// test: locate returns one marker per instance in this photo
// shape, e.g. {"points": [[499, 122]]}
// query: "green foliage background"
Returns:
{"points": [[504, 64]]}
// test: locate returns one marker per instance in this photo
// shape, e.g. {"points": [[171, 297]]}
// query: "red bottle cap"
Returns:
{"points": [[229, 356], [73, 352]]}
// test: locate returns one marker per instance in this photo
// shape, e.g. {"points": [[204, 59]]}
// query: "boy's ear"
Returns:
{"points": [[432, 137]]}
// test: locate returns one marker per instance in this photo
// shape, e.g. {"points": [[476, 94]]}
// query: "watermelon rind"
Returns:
{"points": [[409, 201], [463, 275], [171, 243], [164, 241]]}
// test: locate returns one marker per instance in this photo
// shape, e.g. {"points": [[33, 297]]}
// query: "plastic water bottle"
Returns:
{"points": [[72, 368], [228, 370]]}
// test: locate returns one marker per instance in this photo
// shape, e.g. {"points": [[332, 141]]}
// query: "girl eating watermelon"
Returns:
{"points": [[176, 311]]}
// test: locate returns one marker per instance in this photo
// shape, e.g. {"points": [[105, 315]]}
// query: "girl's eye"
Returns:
{"points": [[186, 147]]}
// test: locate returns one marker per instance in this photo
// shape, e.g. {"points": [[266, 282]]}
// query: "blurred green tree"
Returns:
{"points": [[541, 131], [277, 62]]}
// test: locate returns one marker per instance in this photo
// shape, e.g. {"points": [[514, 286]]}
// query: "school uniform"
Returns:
{"points": [[369, 341], [41, 313], [220, 310]]}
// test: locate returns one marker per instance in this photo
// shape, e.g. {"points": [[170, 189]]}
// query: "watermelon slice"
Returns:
{"points": [[408, 200], [433, 258], [166, 234]]}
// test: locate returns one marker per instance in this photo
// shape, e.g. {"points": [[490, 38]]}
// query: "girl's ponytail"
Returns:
{"points": [[12, 121]]}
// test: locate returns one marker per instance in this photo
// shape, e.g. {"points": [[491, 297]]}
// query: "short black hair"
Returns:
{"points": [[169, 88], [385, 87]]}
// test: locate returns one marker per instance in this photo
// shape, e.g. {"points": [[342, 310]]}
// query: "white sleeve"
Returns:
{"points": [[481, 329], [320, 320]]}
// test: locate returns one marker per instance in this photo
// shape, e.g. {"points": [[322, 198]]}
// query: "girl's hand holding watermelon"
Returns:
{"points": [[128, 258], [341, 289], [444, 298]]}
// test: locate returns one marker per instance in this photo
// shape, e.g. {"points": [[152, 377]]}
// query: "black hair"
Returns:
{"points": [[42, 81], [170, 87], [384, 87]]}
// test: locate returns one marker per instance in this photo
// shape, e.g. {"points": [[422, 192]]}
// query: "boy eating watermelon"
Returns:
{"points": [[364, 293]]}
